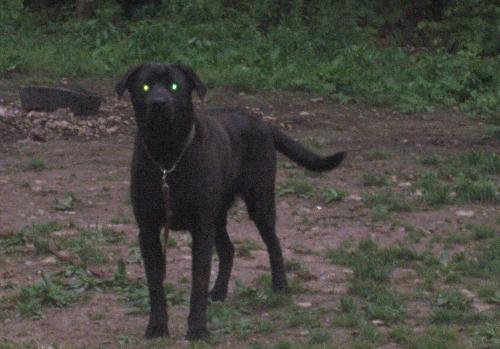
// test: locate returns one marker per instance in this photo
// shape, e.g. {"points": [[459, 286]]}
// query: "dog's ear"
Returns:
{"points": [[199, 86], [126, 81]]}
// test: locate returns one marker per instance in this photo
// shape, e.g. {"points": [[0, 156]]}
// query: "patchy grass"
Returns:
{"points": [[466, 177], [332, 194], [67, 203], [245, 247], [300, 187], [392, 201], [48, 292], [374, 179], [377, 154], [36, 164]]}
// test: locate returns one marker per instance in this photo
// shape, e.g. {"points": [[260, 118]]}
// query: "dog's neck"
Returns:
{"points": [[166, 153]]}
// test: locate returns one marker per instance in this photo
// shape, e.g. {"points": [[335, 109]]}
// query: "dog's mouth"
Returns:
{"points": [[159, 116]]}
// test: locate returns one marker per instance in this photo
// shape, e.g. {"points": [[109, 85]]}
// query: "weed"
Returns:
{"points": [[296, 186], [401, 334], [36, 233], [331, 195], [434, 192], [453, 307], [482, 190], [380, 213], [413, 234], [299, 269], [320, 336], [388, 306], [481, 232], [435, 337], [65, 204], [36, 164], [481, 161], [245, 248], [378, 154], [228, 319], [373, 179], [46, 293], [260, 296], [430, 160], [368, 337], [392, 201], [493, 131], [298, 317]]}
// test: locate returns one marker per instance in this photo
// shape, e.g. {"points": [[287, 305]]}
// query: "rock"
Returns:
{"points": [[38, 134], [49, 260], [465, 213], [353, 198], [317, 100], [480, 307], [467, 294], [305, 305], [3, 112]]}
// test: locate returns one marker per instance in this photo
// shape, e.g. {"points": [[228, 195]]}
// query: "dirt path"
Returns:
{"points": [[82, 183]]}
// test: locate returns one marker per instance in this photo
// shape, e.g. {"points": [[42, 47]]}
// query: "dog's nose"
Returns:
{"points": [[159, 103]]}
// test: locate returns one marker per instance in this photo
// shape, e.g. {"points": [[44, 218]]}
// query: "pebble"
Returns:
{"points": [[464, 213], [304, 305]]}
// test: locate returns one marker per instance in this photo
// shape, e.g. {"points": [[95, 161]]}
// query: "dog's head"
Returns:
{"points": [[161, 96]]}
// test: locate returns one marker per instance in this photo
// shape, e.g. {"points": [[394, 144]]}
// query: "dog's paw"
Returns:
{"points": [[200, 334], [157, 329]]}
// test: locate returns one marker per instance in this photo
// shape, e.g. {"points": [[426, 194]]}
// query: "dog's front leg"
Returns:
{"points": [[154, 264], [203, 240]]}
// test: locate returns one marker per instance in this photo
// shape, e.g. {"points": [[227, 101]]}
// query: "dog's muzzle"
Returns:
{"points": [[159, 106]]}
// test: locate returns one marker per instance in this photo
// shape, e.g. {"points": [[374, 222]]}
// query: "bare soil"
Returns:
{"points": [[96, 171]]}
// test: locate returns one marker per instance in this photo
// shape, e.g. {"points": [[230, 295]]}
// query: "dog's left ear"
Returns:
{"points": [[199, 86], [127, 80]]}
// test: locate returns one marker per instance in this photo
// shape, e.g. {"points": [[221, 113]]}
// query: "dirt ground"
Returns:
{"points": [[82, 182]]}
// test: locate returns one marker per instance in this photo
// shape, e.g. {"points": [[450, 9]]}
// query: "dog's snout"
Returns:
{"points": [[158, 102]]}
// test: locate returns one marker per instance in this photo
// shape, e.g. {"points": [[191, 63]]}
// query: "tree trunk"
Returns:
{"points": [[83, 9]]}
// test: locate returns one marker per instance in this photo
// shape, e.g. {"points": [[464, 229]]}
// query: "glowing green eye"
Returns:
{"points": [[174, 87], [145, 88]]}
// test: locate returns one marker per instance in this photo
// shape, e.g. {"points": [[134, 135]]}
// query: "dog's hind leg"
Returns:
{"points": [[225, 251], [262, 211]]}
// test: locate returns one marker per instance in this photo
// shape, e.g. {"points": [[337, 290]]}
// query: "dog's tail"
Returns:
{"points": [[303, 156]]}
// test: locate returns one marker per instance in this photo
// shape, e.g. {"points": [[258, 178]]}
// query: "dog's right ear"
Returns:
{"points": [[127, 80]]}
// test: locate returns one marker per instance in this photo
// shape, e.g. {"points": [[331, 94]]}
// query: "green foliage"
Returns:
{"points": [[434, 192], [36, 164], [331, 194], [46, 293], [389, 199], [435, 337], [296, 186], [269, 45], [369, 179], [260, 296]]}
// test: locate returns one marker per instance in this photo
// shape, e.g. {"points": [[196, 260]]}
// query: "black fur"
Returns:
{"points": [[232, 154]]}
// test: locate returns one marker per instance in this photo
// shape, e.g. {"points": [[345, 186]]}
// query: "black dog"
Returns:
{"points": [[212, 158]]}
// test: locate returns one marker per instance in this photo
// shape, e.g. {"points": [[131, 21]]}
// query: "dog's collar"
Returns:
{"points": [[165, 171]]}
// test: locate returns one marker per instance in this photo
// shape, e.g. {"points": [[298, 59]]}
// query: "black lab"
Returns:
{"points": [[211, 158]]}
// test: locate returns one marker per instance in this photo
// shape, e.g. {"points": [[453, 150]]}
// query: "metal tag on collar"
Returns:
{"points": [[164, 177]]}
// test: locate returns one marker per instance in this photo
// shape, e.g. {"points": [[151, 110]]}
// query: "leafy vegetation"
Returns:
{"points": [[414, 56]]}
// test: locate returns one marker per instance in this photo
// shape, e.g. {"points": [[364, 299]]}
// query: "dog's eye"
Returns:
{"points": [[174, 87], [145, 88]]}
